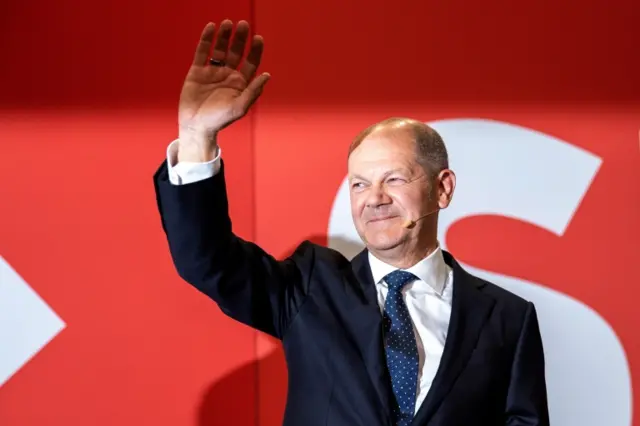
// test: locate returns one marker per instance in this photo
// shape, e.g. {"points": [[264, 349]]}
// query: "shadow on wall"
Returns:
{"points": [[238, 398]]}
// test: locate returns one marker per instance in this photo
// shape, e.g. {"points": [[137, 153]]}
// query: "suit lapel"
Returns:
{"points": [[469, 311], [368, 332]]}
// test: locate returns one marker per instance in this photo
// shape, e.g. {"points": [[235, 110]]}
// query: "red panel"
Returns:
{"points": [[79, 222], [339, 66], [405, 52], [79, 219], [124, 53]]}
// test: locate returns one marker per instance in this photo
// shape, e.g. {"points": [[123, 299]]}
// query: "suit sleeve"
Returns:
{"points": [[247, 283], [527, 395]]}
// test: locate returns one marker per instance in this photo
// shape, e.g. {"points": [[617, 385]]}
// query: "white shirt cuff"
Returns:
{"points": [[187, 172]]}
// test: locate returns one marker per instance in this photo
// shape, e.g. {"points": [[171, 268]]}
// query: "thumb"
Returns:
{"points": [[251, 93]]}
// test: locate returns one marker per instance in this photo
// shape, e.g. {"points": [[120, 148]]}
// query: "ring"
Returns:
{"points": [[217, 62]]}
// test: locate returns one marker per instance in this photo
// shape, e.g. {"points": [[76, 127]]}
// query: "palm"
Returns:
{"points": [[214, 96]]}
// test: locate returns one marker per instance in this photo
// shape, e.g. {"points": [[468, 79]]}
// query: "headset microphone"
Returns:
{"points": [[410, 223]]}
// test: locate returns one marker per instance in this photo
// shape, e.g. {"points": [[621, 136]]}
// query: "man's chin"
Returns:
{"points": [[382, 241]]}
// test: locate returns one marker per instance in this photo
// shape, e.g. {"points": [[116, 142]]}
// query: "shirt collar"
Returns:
{"points": [[432, 270]]}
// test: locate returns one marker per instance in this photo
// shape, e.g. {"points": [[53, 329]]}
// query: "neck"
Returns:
{"points": [[403, 257]]}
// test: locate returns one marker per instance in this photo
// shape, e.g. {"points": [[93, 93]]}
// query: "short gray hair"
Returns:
{"points": [[431, 151]]}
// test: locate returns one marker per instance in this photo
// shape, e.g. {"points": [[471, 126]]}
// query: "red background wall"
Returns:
{"points": [[88, 104]]}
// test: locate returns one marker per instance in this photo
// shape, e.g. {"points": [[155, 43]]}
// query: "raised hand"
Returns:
{"points": [[219, 88]]}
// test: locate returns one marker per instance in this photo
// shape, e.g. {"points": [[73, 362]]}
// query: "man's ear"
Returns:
{"points": [[446, 186]]}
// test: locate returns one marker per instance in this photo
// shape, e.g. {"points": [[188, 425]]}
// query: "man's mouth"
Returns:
{"points": [[381, 219]]}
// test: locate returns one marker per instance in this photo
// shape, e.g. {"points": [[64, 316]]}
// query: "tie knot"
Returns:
{"points": [[397, 279]]}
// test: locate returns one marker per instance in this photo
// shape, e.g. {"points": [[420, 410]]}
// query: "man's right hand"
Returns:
{"points": [[214, 96]]}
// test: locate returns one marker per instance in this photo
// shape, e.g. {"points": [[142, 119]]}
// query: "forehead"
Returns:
{"points": [[385, 147]]}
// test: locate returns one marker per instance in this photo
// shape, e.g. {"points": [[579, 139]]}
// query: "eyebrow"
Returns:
{"points": [[386, 174]]}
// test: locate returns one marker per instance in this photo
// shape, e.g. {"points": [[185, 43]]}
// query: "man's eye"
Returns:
{"points": [[396, 180]]}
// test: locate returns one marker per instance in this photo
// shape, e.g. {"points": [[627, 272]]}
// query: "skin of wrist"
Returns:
{"points": [[196, 145]]}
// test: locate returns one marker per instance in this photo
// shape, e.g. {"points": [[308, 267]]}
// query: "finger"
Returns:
{"points": [[251, 64], [251, 93], [236, 51], [204, 45], [222, 40]]}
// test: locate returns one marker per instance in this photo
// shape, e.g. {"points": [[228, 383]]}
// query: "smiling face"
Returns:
{"points": [[389, 185]]}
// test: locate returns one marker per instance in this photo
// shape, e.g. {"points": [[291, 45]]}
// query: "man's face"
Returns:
{"points": [[387, 186]]}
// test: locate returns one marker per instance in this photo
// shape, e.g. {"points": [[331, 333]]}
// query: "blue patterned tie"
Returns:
{"points": [[401, 348]]}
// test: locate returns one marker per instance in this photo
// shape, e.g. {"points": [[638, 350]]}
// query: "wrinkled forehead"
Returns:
{"points": [[389, 148]]}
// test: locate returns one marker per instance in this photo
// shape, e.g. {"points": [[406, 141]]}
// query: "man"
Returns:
{"points": [[400, 335]]}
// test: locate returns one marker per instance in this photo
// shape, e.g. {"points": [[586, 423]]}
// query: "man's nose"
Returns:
{"points": [[377, 196]]}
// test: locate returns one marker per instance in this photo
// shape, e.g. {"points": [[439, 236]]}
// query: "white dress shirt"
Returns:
{"points": [[184, 173], [428, 299]]}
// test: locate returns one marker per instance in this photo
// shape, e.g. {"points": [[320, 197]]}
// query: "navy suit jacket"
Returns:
{"points": [[324, 309]]}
